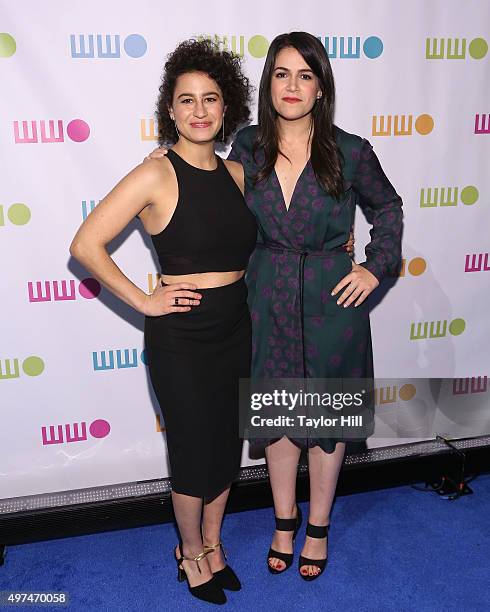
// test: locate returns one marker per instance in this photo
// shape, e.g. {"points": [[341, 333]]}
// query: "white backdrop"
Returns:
{"points": [[88, 102]]}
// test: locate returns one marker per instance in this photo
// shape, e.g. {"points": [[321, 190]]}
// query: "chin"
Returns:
{"points": [[291, 114], [200, 138]]}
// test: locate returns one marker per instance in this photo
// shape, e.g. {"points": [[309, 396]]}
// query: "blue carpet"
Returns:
{"points": [[395, 549]]}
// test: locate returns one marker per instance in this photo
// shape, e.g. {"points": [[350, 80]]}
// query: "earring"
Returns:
{"points": [[176, 128], [223, 128], [318, 95]]}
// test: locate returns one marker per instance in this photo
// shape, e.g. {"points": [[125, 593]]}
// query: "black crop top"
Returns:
{"points": [[212, 229]]}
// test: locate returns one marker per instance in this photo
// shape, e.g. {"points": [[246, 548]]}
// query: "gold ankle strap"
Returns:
{"points": [[199, 557], [209, 549]]}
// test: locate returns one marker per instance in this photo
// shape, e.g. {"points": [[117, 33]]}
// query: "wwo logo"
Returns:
{"points": [[256, 46], [106, 46], [455, 48], [52, 130], [32, 366], [60, 291], [349, 47], [391, 394], [476, 262], [125, 358], [415, 267], [17, 214], [431, 197], [401, 125], [436, 329], [74, 432], [475, 384]]}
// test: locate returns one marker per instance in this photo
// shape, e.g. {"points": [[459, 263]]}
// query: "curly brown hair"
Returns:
{"points": [[222, 66]]}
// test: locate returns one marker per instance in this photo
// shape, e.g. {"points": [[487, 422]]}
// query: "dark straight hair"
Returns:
{"points": [[326, 157]]}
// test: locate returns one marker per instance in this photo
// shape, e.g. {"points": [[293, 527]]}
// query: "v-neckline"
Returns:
{"points": [[288, 208]]}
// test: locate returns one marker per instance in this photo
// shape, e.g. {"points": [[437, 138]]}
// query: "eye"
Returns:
{"points": [[280, 75], [211, 99], [186, 100], [306, 77]]}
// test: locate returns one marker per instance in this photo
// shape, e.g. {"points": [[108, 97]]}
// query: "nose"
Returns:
{"points": [[292, 84], [200, 110]]}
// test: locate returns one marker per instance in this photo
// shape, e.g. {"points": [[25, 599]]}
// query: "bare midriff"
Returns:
{"points": [[204, 280]]}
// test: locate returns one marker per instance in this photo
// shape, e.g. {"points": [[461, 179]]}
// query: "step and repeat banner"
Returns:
{"points": [[79, 86]]}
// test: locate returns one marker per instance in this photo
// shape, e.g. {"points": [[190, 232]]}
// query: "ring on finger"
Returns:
{"points": [[176, 301]]}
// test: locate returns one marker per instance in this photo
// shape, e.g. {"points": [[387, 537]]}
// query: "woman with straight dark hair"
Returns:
{"points": [[310, 319]]}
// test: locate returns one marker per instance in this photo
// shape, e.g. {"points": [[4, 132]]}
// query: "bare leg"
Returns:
{"points": [[324, 471], [211, 528], [282, 463], [187, 510]]}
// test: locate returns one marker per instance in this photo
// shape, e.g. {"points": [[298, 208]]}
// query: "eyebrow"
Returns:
{"points": [[287, 69], [208, 93]]}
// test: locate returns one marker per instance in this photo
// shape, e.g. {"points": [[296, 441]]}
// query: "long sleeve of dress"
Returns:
{"points": [[383, 208]]}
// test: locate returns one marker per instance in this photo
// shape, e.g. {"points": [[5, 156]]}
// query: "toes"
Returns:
{"points": [[276, 563]]}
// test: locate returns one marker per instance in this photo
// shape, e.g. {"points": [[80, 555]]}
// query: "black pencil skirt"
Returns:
{"points": [[195, 361]]}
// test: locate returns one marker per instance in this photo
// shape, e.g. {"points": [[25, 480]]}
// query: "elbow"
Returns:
{"points": [[74, 249], [77, 249]]}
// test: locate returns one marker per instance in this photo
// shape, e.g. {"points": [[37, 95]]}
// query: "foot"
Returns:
{"points": [[314, 548], [215, 558], [190, 567], [282, 542]]}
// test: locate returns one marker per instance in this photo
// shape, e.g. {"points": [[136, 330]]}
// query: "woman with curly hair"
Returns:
{"points": [[197, 323]]}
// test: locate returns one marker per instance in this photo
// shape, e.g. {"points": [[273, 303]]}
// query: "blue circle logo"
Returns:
{"points": [[135, 45], [373, 47]]}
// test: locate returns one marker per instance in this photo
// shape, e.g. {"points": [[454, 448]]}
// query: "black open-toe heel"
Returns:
{"points": [[226, 577], [314, 531], [285, 525], [208, 591]]}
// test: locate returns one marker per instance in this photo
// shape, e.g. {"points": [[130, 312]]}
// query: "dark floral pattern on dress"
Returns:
{"points": [[329, 341]]}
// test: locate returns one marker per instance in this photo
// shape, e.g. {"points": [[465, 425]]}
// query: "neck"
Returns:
{"points": [[201, 155], [296, 132]]}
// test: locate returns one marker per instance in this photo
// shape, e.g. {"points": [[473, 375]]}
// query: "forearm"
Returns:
{"points": [[383, 207], [102, 267]]}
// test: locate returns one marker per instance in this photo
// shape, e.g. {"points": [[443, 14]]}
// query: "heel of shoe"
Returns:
{"points": [[180, 574]]}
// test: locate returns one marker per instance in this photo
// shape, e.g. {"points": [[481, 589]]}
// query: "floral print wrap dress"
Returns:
{"points": [[299, 331]]}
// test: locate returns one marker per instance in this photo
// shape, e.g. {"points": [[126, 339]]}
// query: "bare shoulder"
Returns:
{"points": [[155, 171], [236, 171]]}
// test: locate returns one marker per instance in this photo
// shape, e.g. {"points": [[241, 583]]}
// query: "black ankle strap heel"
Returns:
{"points": [[314, 531], [285, 525], [208, 591]]}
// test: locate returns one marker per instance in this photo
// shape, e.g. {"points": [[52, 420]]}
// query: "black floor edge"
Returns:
{"points": [[96, 517]]}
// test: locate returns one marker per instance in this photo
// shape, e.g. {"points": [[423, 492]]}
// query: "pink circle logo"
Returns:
{"points": [[89, 288], [99, 428], [78, 130]]}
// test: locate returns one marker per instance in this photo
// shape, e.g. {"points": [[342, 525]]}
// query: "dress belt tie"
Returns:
{"points": [[302, 258]]}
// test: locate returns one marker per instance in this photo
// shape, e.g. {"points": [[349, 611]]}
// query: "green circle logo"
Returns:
{"points": [[19, 214], [258, 46], [478, 48], [33, 366], [469, 195], [457, 326], [7, 45]]}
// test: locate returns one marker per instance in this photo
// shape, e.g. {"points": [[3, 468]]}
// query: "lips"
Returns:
{"points": [[201, 124], [291, 100]]}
